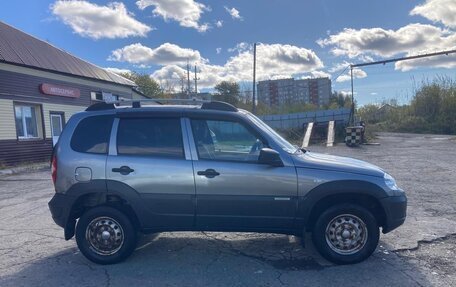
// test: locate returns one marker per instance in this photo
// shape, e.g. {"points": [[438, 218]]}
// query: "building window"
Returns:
{"points": [[28, 121], [103, 97]]}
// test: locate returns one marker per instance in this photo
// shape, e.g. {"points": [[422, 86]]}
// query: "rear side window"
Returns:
{"points": [[92, 135], [150, 137]]}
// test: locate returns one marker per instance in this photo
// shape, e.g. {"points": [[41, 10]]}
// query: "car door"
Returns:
{"points": [[151, 156], [234, 191]]}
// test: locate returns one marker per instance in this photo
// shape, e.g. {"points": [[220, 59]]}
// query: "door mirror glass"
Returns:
{"points": [[270, 157]]}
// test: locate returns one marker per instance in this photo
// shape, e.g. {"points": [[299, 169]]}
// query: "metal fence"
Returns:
{"points": [[298, 120]]}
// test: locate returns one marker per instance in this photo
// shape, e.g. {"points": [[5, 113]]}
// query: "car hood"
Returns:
{"points": [[336, 163]]}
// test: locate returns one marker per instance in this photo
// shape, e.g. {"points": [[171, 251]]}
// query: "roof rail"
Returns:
{"points": [[100, 106], [136, 103], [220, 106]]}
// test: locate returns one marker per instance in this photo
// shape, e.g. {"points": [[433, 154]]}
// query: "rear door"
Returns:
{"points": [[150, 155]]}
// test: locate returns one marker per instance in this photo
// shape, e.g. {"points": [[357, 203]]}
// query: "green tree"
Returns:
{"points": [[339, 100], [228, 92], [146, 85]]}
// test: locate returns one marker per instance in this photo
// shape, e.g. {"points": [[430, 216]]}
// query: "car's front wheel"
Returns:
{"points": [[346, 234], [105, 235]]}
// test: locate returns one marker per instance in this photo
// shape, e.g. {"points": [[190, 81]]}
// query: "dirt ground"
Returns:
{"points": [[419, 253]]}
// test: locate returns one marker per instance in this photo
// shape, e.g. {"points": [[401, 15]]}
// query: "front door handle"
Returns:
{"points": [[209, 173], [124, 170]]}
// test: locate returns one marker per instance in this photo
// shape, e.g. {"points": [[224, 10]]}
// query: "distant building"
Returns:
{"points": [[289, 91]]}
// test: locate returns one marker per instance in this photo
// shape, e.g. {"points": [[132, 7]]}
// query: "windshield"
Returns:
{"points": [[283, 143]]}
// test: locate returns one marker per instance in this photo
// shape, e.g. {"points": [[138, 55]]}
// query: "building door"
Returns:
{"points": [[56, 127]]}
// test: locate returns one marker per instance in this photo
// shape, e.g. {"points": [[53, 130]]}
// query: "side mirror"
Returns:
{"points": [[270, 157]]}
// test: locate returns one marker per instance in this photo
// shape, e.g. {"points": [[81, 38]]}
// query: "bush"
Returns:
{"points": [[432, 110]]}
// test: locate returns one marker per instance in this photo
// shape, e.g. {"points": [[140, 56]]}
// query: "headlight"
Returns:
{"points": [[390, 182]]}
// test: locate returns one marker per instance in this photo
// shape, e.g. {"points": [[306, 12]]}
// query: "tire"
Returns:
{"points": [[346, 234], [105, 235]]}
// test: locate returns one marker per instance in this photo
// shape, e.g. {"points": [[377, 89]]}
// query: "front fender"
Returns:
{"points": [[346, 187]]}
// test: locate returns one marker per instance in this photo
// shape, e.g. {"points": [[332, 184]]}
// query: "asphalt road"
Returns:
{"points": [[420, 253]]}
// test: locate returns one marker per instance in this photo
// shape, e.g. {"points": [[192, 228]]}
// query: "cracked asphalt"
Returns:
{"points": [[420, 253]]}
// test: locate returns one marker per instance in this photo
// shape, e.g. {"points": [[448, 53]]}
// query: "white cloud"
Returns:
{"points": [[186, 12], [347, 93], [386, 43], [339, 67], [165, 54], [443, 11], [219, 24], [357, 74], [443, 61], [240, 47], [94, 21], [412, 39], [320, 74], [234, 13], [117, 70], [311, 75], [272, 61], [170, 72], [218, 50]]}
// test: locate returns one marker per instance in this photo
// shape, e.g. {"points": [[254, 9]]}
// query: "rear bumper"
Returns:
{"points": [[395, 208], [60, 206]]}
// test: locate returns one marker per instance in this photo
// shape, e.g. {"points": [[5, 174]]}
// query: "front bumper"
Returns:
{"points": [[395, 208]]}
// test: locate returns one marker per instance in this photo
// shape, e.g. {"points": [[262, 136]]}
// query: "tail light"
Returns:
{"points": [[54, 168]]}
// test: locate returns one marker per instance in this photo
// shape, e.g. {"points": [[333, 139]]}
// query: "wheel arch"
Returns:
{"points": [[363, 193], [88, 195]]}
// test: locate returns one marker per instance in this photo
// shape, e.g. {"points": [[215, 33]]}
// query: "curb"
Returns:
{"points": [[24, 168]]}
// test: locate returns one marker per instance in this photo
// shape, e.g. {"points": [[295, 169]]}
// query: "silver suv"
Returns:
{"points": [[210, 167]]}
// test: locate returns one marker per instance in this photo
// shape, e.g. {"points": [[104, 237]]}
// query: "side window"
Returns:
{"points": [[92, 135], [225, 140], [150, 137]]}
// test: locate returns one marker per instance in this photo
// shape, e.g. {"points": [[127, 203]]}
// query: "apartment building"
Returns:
{"points": [[290, 91]]}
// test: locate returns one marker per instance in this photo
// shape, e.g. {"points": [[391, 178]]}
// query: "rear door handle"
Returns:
{"points": [[124, 170], [209, 173]]}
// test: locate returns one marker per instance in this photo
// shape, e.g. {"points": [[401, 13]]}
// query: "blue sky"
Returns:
{"points": [[298, 38]]}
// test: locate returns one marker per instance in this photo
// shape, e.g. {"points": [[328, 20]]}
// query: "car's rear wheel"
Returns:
{"points": [[105, 235], [346, 234]]}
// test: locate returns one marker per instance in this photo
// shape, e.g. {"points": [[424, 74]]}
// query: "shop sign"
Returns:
{"points": [[55, 90]]}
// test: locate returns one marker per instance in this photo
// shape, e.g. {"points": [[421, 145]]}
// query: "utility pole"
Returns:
{"points": [[182, 79], [352, 112], [196, 83], [254, 79], [188, 80]]}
